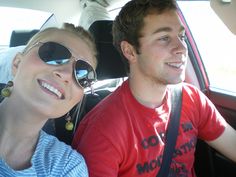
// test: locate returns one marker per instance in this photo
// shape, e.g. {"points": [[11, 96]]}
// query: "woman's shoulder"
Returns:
{"points": [[57, 157], [50, 147]]}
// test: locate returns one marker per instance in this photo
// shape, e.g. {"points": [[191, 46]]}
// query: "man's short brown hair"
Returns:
{"points": [[129, 23]]}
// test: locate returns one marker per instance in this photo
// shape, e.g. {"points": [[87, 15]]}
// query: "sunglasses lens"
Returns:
{"points": [[54, 53], [84, 73]]}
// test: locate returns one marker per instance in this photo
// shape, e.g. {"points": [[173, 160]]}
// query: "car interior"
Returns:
{"points": [[21, 37], [110, 67]]}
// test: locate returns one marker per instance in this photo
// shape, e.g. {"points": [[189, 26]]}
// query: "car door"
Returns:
{"points": [[211, 51]]}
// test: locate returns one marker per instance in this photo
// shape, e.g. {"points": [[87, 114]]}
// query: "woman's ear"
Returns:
{"points": [[128, 51], [15, 63]]}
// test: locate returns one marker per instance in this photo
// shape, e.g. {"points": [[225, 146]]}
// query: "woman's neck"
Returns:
{"points": [[17, 153], [19, 134]]}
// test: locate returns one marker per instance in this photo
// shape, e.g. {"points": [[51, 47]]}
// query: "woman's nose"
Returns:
{"points": [[64, 72]]}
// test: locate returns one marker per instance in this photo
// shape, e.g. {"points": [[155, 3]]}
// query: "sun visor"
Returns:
{"points": [[226, 10]]}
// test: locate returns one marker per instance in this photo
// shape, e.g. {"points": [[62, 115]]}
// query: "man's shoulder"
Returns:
{"points": [[190, 89], [193, 96], [111, 111], [111, 104]]}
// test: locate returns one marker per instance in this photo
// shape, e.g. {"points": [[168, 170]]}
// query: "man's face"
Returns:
{"points": [[163, 51]]}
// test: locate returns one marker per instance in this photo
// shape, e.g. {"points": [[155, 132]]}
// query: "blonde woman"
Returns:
{"points": [[49, 78]]}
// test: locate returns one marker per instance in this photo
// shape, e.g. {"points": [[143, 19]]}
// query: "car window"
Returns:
{"points": [[19, 19], [215, 42]]}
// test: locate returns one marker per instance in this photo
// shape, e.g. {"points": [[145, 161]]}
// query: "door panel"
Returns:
{"points": [[226, 105]]}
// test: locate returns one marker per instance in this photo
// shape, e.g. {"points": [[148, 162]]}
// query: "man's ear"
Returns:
{"points": [[128, 51], [15, 63]]}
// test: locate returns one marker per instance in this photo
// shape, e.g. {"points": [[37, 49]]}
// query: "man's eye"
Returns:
{"points": [[166, 38]]}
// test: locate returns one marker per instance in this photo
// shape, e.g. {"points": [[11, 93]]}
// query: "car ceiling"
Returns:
{"points": [[64, 10]]}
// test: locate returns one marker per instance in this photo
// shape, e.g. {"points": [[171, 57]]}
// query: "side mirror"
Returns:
{"points": [[226, 10]]}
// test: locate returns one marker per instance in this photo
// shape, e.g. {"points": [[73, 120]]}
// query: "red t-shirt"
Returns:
{"points": [[121, 137]]}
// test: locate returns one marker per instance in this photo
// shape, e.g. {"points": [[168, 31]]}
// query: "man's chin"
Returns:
{"points": [[177, 81]]}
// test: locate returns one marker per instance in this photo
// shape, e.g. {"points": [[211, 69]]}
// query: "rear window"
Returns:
{"points": [[19, 19]]}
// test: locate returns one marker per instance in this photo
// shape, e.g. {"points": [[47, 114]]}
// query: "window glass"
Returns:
{"points": [[19, 19], [114, 9], [216, 44]]}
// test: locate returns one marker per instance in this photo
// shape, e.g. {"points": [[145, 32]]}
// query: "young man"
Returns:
{"points": [[125, 134]]}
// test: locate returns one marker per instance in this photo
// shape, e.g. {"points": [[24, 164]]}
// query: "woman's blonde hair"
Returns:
{"points": [[78, 31]]}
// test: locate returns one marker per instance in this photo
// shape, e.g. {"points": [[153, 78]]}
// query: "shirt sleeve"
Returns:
{"points": [[100, 155], [211, 124]]}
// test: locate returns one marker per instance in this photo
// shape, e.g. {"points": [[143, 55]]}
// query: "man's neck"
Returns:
{"points": [[149, 95]]}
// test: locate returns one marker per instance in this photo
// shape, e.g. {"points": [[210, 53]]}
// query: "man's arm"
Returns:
{"points": [[226, 143]]}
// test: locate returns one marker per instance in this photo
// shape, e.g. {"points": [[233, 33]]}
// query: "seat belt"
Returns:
{"points": [[172, 131]]}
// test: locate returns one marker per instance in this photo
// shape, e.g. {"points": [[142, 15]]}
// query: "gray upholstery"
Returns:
{"points": [[110, 64], [21, 37]]}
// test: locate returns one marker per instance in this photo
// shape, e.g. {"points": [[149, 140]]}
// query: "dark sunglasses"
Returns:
{"points": [[54, 53]]}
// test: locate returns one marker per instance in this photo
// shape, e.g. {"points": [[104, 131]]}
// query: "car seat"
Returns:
{"points": [[110, 64], [21, 37]]}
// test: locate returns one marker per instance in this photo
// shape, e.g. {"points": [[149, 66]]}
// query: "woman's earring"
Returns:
{"points": [[6, 91], [69, 125]]}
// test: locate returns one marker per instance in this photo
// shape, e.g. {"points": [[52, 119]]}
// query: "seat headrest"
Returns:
{"points": [[21, 37], [110, 64]]}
